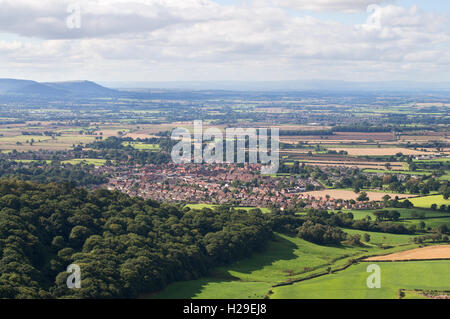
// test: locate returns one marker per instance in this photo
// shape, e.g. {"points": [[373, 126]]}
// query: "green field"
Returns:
{"points": [[431, 218], [351, 283], [427, 201], [200, 206], [142, 146], [382, 238], [23, 138], [378, 171], [405, 213], [87, 161], [211, 206], [285, 259], [32, 161], [445, 177], [429, 222]]}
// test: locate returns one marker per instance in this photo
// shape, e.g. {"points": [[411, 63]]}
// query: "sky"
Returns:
{"points": [[225, 40]]}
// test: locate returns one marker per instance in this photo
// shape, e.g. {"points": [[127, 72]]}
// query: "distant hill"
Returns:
{"points": [[85, 87], [11, 85], [53, 89]]}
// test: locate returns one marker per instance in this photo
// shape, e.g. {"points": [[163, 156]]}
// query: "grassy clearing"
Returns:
{"points": [[377, 151], [263, 209], [382, 238], [23, 138], [212, 288], [87, 161], [377, 171], [445, 177], [32, 161], [201, 206], [429, 223], [412, 294], [427, 201], [351, 283], [405, 213], [142, 146], [63, 142], [431, 218]]}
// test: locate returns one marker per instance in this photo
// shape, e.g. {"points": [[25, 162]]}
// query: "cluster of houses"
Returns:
{"points": [[239, 185]]}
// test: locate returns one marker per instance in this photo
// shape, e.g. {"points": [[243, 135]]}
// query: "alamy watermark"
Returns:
{"points": [[249, 145], [73, 21], [74, 279], [374, 280], [374, 18]]}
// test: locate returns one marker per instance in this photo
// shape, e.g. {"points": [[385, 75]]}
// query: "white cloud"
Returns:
{"points": [[47, 18], [346, 6], [199, 39]]}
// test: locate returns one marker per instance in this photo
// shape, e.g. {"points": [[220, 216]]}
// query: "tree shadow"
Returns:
{"points": [[277, 249]]}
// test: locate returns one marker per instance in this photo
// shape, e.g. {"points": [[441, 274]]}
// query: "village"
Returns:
{"points": [[224, 184]]}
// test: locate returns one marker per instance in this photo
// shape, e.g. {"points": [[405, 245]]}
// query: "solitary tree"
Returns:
{"points": [[363, 197]]}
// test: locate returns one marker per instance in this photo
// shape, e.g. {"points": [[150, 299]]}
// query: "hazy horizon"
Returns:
{"points": [[261, 85]]}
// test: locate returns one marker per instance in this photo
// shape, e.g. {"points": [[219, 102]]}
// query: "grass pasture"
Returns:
{"points": [[211, 206], [408, 217], [285, 259], [352, 151], [417, 173], [142, 146], [405, 213], [431, 223], [32, 161], [87, 161], [382, 238], [13, 137], [445, 177], [351, 283], [427, 201]]}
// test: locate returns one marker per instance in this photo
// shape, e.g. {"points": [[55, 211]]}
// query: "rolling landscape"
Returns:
{"points": [[225, 158], [372, 181]]}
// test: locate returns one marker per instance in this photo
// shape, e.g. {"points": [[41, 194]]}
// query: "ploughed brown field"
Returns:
{"points": [[432, 252], [348, 194]]}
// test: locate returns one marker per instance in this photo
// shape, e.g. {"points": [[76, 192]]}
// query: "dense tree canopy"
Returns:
{"points": [[123, 245]]}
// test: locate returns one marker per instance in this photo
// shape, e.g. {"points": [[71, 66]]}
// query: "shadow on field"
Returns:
{"points": [[277, 249]]}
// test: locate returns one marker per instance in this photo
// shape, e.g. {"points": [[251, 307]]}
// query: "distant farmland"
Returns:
{"points": [[351, 283], [378, 151]]}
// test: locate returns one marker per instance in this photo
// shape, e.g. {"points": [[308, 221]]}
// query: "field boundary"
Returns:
{"points": [[403, 260], [350, 263], [410, 258], [323, 273]]}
